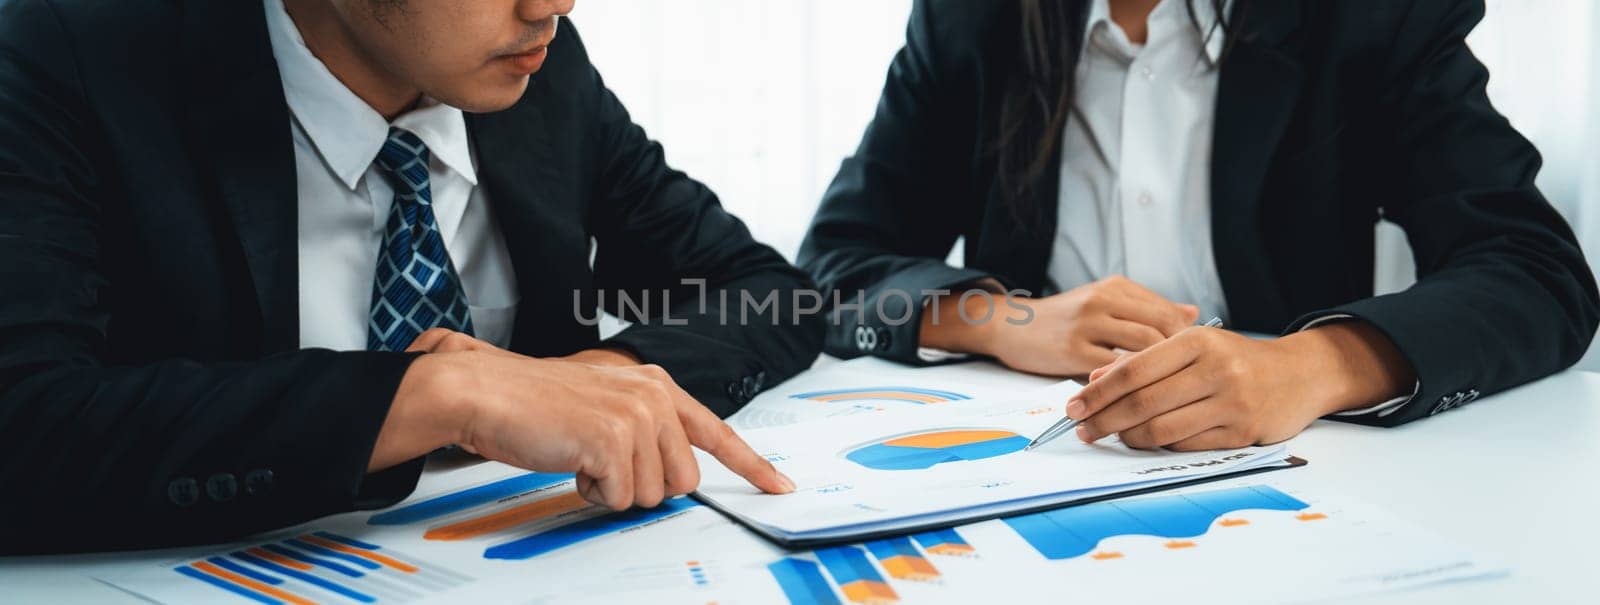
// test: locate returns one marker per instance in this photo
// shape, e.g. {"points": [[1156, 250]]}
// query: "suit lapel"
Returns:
{"points": [[545, 232], [1258, 90], [240, 124]]}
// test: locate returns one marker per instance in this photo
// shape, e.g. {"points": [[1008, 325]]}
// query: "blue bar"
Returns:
{"points": [[848, 564], [562, 537], [304, 577], [326, 552], [893, 547], [468, 498], [942, 536], [226, 585], [244, 571], [1051, 540], [345, 541], [305, 558], [802, 582], [1222, 502]]}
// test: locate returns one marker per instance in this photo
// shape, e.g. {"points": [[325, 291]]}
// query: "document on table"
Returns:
{"points": [[866, 386], [495, 534], [895, 472]]}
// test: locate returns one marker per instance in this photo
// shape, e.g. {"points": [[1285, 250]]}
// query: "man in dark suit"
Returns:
{"points": [[258, 259]]}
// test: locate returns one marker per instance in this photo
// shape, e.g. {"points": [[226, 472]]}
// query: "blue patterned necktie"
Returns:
{"points": [[416, 287]]}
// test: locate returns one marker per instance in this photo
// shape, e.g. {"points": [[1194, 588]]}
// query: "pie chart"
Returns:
{"points": [[928, 449]]}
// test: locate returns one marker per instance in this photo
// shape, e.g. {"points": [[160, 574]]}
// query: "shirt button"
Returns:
{"points": [[1149, 74], [1145, 200]]}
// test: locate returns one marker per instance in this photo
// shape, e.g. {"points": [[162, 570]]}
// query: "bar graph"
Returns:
{"points": [[505, 519], [1073, 532], [926, 450], [855, 576], [945, 542], [495, 492], [802, 582], [563, 536], [320, 567], [902, 561]]}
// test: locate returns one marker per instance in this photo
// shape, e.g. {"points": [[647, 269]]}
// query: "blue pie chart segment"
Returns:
{"points": [[926, 450]]}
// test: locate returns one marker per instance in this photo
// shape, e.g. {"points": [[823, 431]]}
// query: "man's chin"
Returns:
{"points": [[488, 97]]}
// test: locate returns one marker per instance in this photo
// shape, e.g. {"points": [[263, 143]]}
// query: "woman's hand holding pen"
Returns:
{"points": [[1207, 388]]}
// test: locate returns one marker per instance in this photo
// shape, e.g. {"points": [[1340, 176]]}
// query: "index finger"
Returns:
{"points": [[1131, 373], [715, 437]]}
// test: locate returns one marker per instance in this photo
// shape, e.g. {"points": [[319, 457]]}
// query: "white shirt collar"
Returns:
{"points": [[1205, 14], [347, 132]]}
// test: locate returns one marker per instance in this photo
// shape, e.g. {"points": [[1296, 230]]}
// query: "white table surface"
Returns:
{"points": [[1515, 477]]}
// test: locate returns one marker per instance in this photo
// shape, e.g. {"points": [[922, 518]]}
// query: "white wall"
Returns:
{"points": [[760, 99]]}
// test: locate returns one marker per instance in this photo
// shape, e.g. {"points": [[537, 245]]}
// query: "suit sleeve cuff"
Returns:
{"points": [[1381, 409]]}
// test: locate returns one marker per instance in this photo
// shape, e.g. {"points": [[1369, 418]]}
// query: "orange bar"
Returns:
{"points": [[279, 559], [1310, 516], [1105, 556], [869, 592], [363, 553], [249, 583], [1234, 522], [1175, 544], [508, 518], [904, 567], [951, 550], [948, 438]]}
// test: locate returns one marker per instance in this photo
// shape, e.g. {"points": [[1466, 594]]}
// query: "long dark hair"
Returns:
{"points": [[1038, 95]]}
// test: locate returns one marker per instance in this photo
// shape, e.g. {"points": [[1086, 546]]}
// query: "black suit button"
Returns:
{"points": [[183, 491], [222, 487], [735, 391], [258, 482], [750, 386], [761, 381]]}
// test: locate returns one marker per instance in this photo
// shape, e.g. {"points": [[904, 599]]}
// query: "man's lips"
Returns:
{"points": [[527, 62]]}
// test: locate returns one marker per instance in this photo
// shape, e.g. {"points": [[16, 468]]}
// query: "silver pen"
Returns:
{"points": [[1066, 424]]}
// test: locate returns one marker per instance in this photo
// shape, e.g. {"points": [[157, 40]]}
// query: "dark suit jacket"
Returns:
{"points": [[151, 387], [1330, 115]]}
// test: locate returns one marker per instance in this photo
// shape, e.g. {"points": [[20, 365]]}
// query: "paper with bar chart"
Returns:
{"points": [[298, 568], [482, 535], [861, 386], [477, 524], [1241, 541], [863, 475], [1250, 543]]}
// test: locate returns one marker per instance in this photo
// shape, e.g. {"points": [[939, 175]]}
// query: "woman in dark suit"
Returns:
{"points": [[1124, 168]]}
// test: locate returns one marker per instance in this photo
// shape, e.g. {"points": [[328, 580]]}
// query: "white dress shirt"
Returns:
{"points": [[344, 201], [1135, 196]]}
